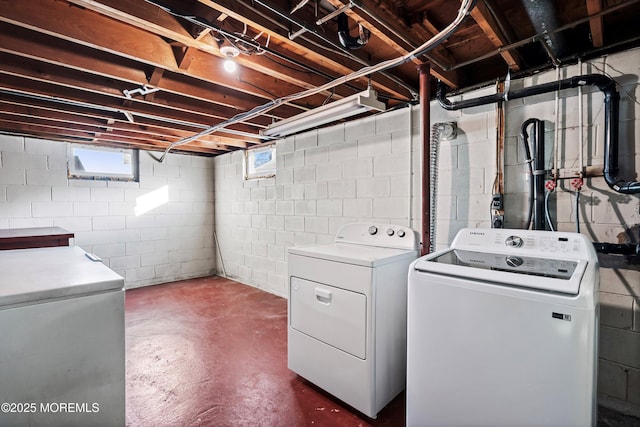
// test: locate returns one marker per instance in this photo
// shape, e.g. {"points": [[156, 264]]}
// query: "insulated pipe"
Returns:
{"points": [[611, 117], [528, 161], [538, 176], [543, 17], [538, 172], [425, 119]]}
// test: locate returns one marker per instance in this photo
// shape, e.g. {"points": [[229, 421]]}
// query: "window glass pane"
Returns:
{"points": [[102, 163], [260, 162]]}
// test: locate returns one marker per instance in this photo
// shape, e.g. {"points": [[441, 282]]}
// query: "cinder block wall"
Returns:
{"points": [[359, 171], [171, 242], [367, 170]]}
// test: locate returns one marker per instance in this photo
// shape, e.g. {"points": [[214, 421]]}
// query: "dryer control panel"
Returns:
{"points": [[383, 235]]}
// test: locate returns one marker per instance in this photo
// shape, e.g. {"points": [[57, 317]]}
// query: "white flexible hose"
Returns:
{"points": [[546, 210]]}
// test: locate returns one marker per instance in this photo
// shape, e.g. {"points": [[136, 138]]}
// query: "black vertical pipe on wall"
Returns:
{"points": [[538, 175], [425, 120], [536, 196]]}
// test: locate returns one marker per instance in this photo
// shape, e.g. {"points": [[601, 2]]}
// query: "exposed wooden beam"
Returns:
{"points": [[121, 39], [109, 120], [102, 135], [595, 24], [93, 85], [30, 45], [486, 21]]}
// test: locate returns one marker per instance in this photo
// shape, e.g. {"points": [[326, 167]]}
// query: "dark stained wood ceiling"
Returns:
{"points": [[149, 73]]}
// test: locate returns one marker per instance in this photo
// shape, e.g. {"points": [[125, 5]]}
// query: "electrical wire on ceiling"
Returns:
{"points": [[239, 41], [463, 12]]}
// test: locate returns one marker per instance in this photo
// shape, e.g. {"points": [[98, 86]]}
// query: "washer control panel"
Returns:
{"points": [[548, 244], [384, 235]]}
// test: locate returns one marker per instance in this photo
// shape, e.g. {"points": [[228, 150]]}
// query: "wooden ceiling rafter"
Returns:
{"points": [[46, 89], [96, 126], [485, 19], [108, 121], [595, 25]]}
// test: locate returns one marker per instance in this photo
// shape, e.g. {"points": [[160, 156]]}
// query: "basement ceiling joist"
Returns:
{"points": [[149, 73]]}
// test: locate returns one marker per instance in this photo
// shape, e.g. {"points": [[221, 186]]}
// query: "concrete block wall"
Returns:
{"points": [[171, 242], [605, 216], [358, 171], [466, 168]]}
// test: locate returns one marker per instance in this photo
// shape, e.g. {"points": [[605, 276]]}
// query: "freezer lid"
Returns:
{"points": [[30, 275], [549, 274], [363, 255]]}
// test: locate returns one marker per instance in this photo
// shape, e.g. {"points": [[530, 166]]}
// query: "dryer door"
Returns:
{"points": [[332, 315]]}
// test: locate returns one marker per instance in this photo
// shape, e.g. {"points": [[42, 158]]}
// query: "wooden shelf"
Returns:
{"points": [[40, 237]]}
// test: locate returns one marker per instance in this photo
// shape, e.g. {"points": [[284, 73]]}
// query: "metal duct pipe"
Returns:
{"points": [[611, 117], [425, 120], [543, 17]]}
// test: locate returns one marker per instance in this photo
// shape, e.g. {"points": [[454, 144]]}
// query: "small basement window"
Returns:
{"points": [[102, 163], [260, 162]]}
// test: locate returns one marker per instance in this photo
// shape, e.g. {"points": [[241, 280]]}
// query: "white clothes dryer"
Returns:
{"points": [[503, 331], [347, 313]]}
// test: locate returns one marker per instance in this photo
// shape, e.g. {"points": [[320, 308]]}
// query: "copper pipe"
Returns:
{"points": [[425, 120]]}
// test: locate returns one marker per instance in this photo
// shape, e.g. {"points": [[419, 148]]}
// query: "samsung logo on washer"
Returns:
{"points": [[476, 233]]}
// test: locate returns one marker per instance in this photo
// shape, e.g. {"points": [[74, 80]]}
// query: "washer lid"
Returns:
{"points": [[364, 255], [550, 274], [30, 275]]}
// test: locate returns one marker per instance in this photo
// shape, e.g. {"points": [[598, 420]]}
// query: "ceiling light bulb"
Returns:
{"points": [[229, 52], [229, 65]]}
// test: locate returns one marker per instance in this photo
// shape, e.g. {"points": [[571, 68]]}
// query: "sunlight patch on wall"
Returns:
{"points": [[151, 200]]}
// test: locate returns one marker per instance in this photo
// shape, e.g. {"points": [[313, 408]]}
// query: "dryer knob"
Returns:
{"points": [[373, 230], [401, 233], [390, 232]]}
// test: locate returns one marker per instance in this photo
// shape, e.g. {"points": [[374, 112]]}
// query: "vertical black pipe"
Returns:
{"points": [[538, 175]]}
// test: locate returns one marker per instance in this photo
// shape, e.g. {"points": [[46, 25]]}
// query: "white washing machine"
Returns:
{"points": [[503, 331], [347, 313]]}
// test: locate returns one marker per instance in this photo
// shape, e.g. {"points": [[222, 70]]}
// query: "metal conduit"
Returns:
{"points": [[611, 117]]}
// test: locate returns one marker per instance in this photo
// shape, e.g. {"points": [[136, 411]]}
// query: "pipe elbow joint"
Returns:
{"points": [[442, 97], [623, 187], [346, 40]]}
